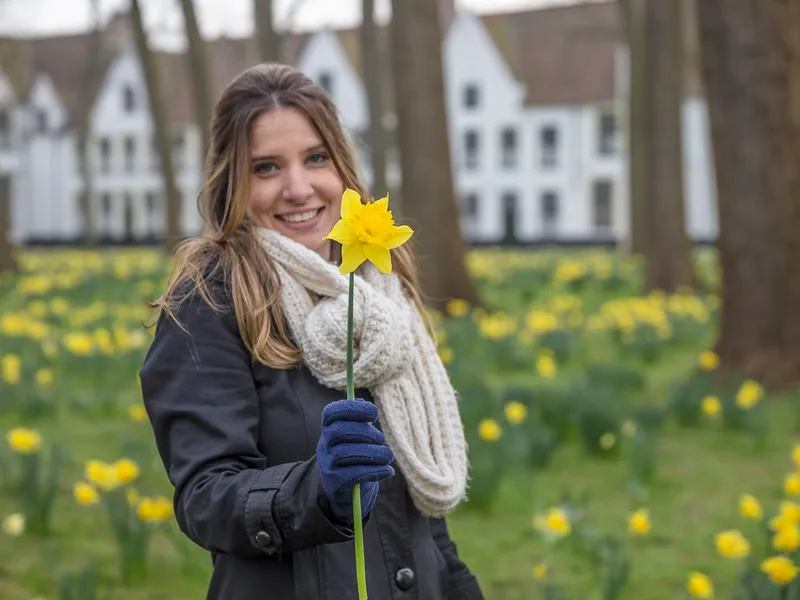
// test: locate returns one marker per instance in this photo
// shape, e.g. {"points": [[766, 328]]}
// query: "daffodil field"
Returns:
{"points": [[608, 458]]}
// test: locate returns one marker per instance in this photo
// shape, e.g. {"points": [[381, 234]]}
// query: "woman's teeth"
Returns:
{"points": [[300, 217]]}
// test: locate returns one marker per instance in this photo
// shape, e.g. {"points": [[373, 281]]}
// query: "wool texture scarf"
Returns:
{"points": [[394, 357]]}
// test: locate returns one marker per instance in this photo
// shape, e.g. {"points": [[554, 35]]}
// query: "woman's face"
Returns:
{"points": [[294, 186]]}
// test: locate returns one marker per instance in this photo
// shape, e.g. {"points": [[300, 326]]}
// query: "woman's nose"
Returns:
{"points": [[297, 186]]}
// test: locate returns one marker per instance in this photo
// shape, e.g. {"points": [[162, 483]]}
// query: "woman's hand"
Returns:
{"points": [[352, 450]]}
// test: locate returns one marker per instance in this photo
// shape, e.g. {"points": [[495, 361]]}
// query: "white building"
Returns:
{"points": [[533, 98]]}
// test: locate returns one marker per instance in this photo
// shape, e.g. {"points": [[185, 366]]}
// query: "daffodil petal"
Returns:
{"points": [[352, 257], [351, 201], [379, 256], [400, 236], [342, 234], [383, 203]]}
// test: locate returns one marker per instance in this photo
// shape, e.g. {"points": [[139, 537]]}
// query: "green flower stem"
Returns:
{"points": [[361, 571]]}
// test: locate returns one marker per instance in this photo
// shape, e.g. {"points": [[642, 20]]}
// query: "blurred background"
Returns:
{"points": [[606, 196]]}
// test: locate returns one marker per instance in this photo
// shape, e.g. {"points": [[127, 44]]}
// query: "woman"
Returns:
{"points": [[244, 380]]}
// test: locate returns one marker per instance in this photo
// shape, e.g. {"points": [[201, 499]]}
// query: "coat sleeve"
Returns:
{"points": [[201, 399], [463, 585]]}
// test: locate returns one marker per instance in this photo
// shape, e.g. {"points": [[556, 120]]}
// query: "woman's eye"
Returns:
{"points": [[265, 167], [319, 157]]}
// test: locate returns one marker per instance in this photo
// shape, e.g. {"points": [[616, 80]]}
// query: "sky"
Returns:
{"points": [[217, 17]]}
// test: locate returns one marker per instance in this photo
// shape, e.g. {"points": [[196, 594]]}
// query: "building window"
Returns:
{"points": [[105, 210], [509, 203], [105, 155], [130, 155], [603, 201], [5, 129], [469, 205], [509, 145], [326, 82], [550, 209], [178, 150], [472, 143], [549, 145], [41, 121], [472, 96], [128, 99], [155, 157], [608, 134], [153, 211]]}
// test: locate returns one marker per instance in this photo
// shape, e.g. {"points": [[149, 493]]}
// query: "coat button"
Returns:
{"points": [[404, 578], [263, 538]]}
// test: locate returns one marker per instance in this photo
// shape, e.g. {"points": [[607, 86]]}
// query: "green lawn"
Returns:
{"points": [[700, 472]]}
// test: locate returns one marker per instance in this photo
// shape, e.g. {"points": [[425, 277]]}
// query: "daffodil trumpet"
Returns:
{"points": [[366, 232]]}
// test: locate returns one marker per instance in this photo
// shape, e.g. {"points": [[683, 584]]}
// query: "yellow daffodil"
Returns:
{"points": [[780, 569], [85, 493], [540, 571], [791, 484], [639, 522], [137, 413], [446, 354], [788, 516], [700, 586], [787, 539], [516, 412], [711, 406], [732, 544], [154, 509], [44, 377], [749, 394], [126, 470], [554, 522], [546, 366], [24, 441], [102, 475], [489, 430], [750, 507], [367, 231], [708, 360], [13, 525], [457, 308]]}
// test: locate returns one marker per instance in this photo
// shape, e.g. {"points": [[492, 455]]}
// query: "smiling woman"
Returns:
{"points": [[240, 383]]}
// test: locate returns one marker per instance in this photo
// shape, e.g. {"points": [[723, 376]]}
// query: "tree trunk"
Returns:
{"points": [[269, 42], [745, 83], [667, 248], [88, 207], [7, 261], [428, 194], [160, 128], [633, 13], [371, 58], [201, 75]]}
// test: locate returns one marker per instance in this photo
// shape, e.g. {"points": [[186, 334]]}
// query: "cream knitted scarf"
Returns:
{"points": [[394, 357]]}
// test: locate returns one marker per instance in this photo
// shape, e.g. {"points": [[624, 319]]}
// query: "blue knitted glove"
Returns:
{"points": [[352, 450]]}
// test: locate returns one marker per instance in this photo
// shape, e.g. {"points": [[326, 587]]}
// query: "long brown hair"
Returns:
{"points": [[228, 247]]}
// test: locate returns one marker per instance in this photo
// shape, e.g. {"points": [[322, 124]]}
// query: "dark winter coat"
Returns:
{"points": [[238, 441]]}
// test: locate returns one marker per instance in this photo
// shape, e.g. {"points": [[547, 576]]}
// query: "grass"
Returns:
{"points": [[700, 475]]}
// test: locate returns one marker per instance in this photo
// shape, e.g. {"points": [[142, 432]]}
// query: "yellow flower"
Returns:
{"points": [[750, 507], [554, 522], [791, 484], [516, 412], [11, 367], [540, 571], [85, 493], [13, 525], [711, 406], [24, 441], [446, 354], [781, 570], [788, 516], [639, 522], [708, 360], [546, 365], [154, 509], [700, 586], [628, 428], [489, 430], [126, 470], [137, 413], [457, 308], [732, 544], [367, 232], [749, 394], [787, 539], [44, 377], [103, 475], [607, 441]]}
